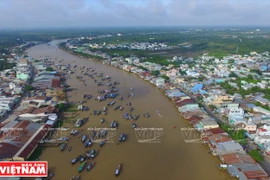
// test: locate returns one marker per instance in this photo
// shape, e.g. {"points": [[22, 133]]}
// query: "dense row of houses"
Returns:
{"points": [[26, 117]]}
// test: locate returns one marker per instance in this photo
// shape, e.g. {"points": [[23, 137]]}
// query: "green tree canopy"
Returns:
{"points": [[255, 154], [165, 77], [232, 74], [155, 73], [49, 69], [29, 88]]}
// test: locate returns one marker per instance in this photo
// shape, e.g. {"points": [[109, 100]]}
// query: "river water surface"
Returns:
{"points": [[171, 159]]}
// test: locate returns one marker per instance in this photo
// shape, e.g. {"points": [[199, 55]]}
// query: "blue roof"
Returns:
{"points": [[198, 126], [197, 87], [264, 68], [219, 80], [203, 91], [250, 106]]}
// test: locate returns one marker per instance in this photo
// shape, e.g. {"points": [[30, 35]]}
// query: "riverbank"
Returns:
{"points": [[170, 159]]}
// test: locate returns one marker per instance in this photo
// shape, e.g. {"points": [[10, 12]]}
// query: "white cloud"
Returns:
{"points": [[71, 13]]}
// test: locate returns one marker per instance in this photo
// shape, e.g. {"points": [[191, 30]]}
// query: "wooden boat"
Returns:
{"points": [[118, 170], [63, 147], [83, 158], [90, 166], [84, 137], [122, 137], [133, 125], [82, 166], [101, 143], [102, 120]]}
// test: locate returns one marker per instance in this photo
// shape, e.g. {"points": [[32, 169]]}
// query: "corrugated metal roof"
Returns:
{"points": [[16, 136], [33, 144]]}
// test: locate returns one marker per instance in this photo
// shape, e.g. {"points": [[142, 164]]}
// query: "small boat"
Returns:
{"points": [[122, 137], [69, 148], [76, 159], [103, 133], [147, 115], [92, 153], [78, 177], [94, 134], [101, 143], [133, 125], [82, 166], [114, 124], [72, 178], [63, 147], [102, 120], [112, 103], [88, 143], [136, 116], [118, 169], [83, 158], [84, 137], [90, 166]]}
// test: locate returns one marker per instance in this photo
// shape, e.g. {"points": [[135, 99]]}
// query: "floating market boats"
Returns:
{"points": [[63, 147], [118, 170], [82, 166], [90, 166]]}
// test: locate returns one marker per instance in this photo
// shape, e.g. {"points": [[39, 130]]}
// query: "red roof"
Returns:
{"points": [[40, 97], [262, 130], [33, 144], [184, 102], [236, 158], [218, 138], [15, 138], [194, 118], [256, 174], [216, 130]]}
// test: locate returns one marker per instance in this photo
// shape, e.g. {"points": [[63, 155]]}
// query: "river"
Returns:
{"points": [[171, 159]]}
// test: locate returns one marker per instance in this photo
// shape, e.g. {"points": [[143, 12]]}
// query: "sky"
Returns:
{"points": [[114, 13]]}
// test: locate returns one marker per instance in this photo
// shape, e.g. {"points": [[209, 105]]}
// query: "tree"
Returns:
{"points": [[143, 68], [182, 72], [155, 73], [201, 78], [29, 88], [49, 69], [212, 107], [255, 154], [232, 74], [61, 106], [165, 77]]}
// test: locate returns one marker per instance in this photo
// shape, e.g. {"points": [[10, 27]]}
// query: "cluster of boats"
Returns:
{"points": [[114, 124], [91, 154], [84, 164], [87, 96], [74, 132], [110, 92], [63, 147], [130, 116], [81, 122]]}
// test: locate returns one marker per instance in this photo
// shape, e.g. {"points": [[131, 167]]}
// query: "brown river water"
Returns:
{"points": [[171, 159]]}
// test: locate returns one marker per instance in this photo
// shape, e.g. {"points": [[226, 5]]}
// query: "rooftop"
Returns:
{"points": [[15, 136], [236, 158]]}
